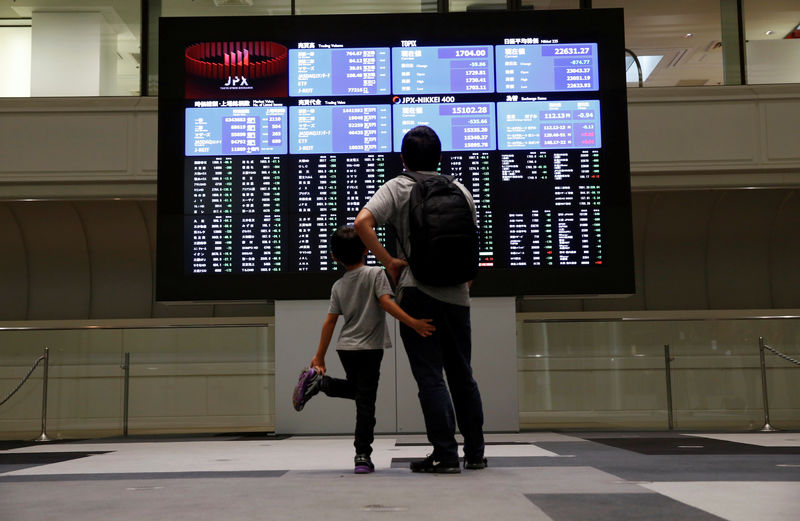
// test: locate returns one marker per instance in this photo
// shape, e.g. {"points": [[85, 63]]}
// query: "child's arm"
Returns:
{"points": [[422, 326], [318, 362]]}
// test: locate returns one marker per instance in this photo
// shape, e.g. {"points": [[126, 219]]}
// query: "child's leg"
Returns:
{"points": [[363, 370], [338, 388]]}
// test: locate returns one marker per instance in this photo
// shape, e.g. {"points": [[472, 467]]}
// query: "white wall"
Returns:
{"points": [[773, 61], [15, 62], [72, 54]]}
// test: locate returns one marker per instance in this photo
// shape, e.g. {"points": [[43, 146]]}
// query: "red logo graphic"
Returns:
{"points": [[224, 69]]}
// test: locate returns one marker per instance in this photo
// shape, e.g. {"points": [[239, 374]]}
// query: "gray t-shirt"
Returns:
{"points": [[355, 297], [390, 204]]}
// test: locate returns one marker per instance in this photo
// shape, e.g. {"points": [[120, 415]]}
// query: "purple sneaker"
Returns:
{"points": [[363, 464], [307, 386]]}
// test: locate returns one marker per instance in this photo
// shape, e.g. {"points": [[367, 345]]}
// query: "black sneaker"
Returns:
{"points": [[307, 386], [363, 464], [432, 464], [475, 463]]}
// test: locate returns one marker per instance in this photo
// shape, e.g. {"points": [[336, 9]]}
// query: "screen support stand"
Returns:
{"points": [[494, 364]]}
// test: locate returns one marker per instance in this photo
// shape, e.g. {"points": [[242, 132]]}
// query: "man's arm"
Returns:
{"points": [[365, 227]]}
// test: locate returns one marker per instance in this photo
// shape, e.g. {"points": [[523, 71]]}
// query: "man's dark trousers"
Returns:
{"points": [[449, 348]]}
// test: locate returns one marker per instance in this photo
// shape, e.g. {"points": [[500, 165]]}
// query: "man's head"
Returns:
{"points": [[421, 149], [346, 246]]}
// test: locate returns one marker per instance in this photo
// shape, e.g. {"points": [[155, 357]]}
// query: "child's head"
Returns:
{"points": [[346, 246]]}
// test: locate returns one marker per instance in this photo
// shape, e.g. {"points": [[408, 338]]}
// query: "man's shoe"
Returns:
{"points": [[307, 386], [432, 464], [475, 463], [363, 464]]}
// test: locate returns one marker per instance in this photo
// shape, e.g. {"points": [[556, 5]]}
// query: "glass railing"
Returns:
{"points": [[209, 375], [575, 371], [611, 373]]}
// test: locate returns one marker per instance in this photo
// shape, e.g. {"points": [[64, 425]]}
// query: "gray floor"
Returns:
{"points": [[531, 476]]}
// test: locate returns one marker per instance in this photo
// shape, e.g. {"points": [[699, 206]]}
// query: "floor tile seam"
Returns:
{"points": [[120, 476]]}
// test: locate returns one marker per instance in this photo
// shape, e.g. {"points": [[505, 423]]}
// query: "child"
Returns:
{"points": [[359, 296]]}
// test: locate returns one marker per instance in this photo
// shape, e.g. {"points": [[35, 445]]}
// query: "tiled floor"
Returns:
{"points": [[531, 476]]}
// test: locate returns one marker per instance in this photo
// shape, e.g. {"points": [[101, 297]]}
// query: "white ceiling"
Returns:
{"points": [[653, 27]]}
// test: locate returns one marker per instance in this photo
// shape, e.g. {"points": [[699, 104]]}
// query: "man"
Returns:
{"points": [[449, 348]]}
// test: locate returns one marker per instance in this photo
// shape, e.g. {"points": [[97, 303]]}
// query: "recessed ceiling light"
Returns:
{"points": [[688, 35], [769, 32]]}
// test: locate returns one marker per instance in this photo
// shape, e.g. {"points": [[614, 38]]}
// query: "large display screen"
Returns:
{"points": [[274, 131]]}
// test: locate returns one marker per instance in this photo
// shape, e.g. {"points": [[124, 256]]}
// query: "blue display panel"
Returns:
{"points": [[340, 129], [430, 70], [460, 126], [339, 72], [235, 131], [538, 125], [547, 68]]}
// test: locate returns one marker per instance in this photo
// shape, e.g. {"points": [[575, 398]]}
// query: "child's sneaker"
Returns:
{"points": [[307, 386], [363, 464]]}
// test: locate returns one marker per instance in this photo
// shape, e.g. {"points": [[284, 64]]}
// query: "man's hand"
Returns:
{"points": [[395, 268]]}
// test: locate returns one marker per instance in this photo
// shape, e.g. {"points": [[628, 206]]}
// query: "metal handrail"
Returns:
{"points": [[43, 436], [761, 346], [638, 65], [46, 359], [667, 360], [126, 367], [24, 379]]}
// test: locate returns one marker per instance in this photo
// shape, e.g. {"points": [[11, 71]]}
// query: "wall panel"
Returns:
{"points": [[781, 119], [147, 141], [67, 143], [675, 250], [784, 253], [729, 132], [120, 259], [58, 261], [13, 268], [738, 249]]}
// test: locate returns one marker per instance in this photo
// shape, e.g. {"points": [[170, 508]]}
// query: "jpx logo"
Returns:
{"points": [[236, 81]]}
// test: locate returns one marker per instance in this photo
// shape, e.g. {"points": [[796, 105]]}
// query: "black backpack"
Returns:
{"points": [[442, 232]]}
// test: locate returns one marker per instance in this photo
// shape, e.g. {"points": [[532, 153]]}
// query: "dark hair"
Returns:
{"points": [[346, 246], [421, 149]]}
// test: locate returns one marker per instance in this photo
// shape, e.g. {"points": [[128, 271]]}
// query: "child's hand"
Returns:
{"points": [[424, 327], [318, 364]]}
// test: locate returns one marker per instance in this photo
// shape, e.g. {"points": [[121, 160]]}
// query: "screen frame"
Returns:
{"points": [[603, 26]]}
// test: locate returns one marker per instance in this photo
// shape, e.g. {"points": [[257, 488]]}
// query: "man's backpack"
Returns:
{"points": [[442, 232]]}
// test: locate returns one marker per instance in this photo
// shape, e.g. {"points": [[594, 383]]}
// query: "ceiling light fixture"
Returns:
{"points": [[688, 35], [769, 32]]}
